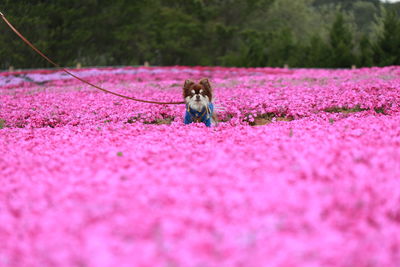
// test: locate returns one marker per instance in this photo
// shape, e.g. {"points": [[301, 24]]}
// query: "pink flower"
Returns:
{"points": [[87, 178]]}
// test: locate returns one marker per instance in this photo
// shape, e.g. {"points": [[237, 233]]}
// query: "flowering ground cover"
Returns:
{"points": [[302, 170]]}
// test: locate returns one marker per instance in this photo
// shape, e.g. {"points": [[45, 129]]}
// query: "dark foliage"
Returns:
{"points": [[199, 32]]}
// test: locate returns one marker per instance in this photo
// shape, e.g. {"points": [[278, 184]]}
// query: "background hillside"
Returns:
{"points": [[252, 33]]}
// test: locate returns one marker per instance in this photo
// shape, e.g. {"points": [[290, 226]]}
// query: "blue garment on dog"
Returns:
{"points": [[192, 115]]}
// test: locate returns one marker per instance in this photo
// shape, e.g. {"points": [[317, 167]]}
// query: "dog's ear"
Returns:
{"points": [[187, 84], [186, 87], [206, 83]]}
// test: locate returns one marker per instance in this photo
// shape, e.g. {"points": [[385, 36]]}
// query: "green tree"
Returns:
{"points": [[341, 44], [366, 56], [345, 4], [281, 49], [317, 53], [199, 32], [255, 49], [387, 47], [364, 14]]}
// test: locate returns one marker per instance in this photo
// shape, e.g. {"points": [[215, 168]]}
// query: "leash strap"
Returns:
{"points": [[73, 75]]}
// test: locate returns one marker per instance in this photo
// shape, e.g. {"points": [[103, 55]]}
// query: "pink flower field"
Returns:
{"points": [[302, 170]]}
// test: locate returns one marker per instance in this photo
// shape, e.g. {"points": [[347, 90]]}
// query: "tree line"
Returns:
{"points": [[242, 33]]}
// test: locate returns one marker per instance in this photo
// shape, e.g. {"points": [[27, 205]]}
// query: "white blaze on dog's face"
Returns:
{"points": [[197, 95]]}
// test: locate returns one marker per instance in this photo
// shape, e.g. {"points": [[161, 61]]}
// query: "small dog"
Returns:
{"points": [[199, 106]]}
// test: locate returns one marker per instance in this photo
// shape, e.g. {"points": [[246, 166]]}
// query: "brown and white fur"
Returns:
{"points": [[199, 95]]}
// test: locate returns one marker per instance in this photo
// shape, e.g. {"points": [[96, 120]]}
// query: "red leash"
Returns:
{"points": [[76, 77]]}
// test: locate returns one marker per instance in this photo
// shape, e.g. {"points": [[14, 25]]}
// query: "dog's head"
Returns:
{"points": [[197, 95]]}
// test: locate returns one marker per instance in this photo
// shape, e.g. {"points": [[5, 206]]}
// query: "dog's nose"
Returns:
{"points": [[197, 97]]}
